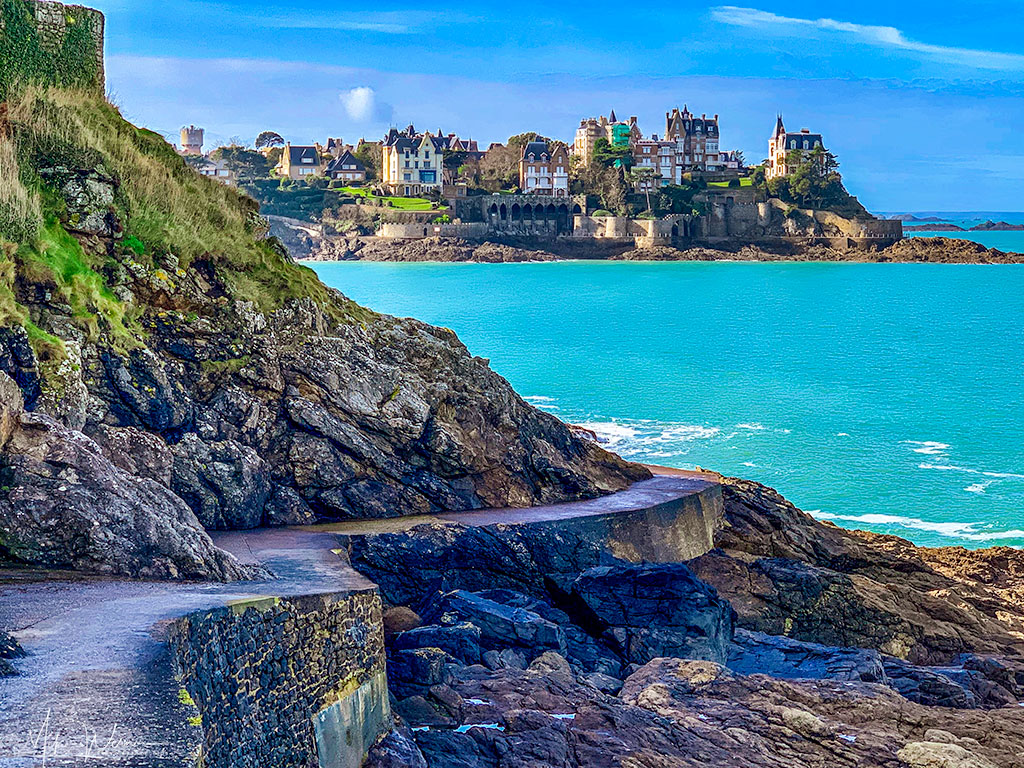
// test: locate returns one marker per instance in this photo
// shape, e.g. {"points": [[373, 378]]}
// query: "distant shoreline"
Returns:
{"points": [[927, 250]]}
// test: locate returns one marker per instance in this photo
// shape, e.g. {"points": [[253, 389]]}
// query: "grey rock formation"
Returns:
{"points": [[755, 652], [647, 611], [63, 504]]}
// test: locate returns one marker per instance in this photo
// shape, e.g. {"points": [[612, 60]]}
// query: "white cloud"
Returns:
{"points": [[362, 106], [877, 36]]}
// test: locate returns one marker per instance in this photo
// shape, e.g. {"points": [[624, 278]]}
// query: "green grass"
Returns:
{"points": [[168, 208], [745, 181], [398, 203]]}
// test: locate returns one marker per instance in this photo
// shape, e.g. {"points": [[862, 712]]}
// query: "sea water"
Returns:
{"points": [[886, 397]]}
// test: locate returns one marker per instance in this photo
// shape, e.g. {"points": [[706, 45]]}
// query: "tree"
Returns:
{"points": [[644, 179], [499, 168], [274, 156], [739, 157], [812, 181], [269, 139], [247, 164], [605, 183], [609, 155], [369, 154], [450, 165], [196, 161]]}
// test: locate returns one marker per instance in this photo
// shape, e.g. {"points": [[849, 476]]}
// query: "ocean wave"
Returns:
{"points": [[970, 471], [538, 399], [979, 487], [755, 426], [645, 437], [928, 447], [954, 529]]}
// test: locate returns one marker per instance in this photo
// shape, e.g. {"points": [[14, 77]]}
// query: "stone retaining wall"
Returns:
{"points": [[296, 681]]}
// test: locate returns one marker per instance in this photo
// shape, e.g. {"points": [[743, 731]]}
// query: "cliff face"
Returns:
{"points": [[140, 311]]}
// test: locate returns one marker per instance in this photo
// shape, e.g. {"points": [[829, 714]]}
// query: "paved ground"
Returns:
{"points": [[95, 684]]}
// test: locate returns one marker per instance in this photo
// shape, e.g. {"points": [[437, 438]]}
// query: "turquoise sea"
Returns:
{"points": [[888, 397]]}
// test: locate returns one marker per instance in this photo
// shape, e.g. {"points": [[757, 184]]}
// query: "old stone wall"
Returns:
{"points": [[296, 681], [52, 43]]}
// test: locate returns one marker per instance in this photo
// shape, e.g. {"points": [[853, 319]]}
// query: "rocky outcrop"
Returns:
{"points": [[63, 504], [647, 611]]}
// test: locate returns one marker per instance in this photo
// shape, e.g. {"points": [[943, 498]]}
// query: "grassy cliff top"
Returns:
{"points": [[171, 216]]}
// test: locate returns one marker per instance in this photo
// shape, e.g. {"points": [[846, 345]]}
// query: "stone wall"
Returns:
{"points": [[52, 43], [295, 681], [467, 230]]}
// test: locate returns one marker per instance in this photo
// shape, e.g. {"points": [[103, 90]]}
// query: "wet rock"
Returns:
{"points": [[647, 611], [756, 652], [462, 641], [9, 647], [286, 507], [928, 686]]}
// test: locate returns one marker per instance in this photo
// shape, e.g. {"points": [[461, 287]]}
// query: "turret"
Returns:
{"points": [[192, 140]]}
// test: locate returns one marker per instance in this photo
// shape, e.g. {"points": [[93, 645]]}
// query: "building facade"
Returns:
{"points": [[412, 163], [618, 133], [217, 169], [544, 169], [782, 143], [346, 167], [300, 162], [695, 139]]}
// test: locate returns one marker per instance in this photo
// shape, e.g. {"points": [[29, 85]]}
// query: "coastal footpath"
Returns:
{"points": [[245, 521]]}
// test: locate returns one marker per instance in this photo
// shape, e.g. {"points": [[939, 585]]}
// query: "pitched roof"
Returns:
{"points": [[779, 127], [300, 155], [345, 158]]}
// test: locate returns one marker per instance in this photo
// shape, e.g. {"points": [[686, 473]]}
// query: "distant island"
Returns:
{"points": [[987, 226]]}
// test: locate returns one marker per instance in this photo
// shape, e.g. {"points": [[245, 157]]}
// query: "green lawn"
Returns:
{"points": [[745, 181], [399, 203]]}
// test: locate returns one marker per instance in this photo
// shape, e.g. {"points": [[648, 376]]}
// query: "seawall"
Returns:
{"points": [[291, 681]]}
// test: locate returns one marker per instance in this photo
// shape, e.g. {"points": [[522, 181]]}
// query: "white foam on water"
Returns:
{"points": [[928, 447], [755, 426], [652, 439], [955, 529], [538, 399], [968, 470], [842, 434], [979, 487], [749, 464]]}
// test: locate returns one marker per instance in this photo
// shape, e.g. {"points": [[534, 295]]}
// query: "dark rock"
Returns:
{"points": [[396, 750], [225, 483], [461, 641], [286, 507], [9, 647], [419, 711], [604, 683], [7, 669], [413, 671], [930, 687], [400, 618], [651, 610], [18, 361], [550, 662], [63, 504], [501, 626], [755, 652], [144, 392]]}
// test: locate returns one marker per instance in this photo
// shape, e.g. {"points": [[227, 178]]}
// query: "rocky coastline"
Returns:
{"points": [[938, 250]]}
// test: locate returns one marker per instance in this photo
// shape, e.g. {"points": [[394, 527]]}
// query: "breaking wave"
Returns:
{"points": [[955, 529]]}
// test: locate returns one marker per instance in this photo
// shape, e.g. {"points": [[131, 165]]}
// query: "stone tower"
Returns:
{"points": [[192, 140]]}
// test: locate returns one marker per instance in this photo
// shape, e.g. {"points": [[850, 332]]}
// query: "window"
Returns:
{"points": [[407, 177], [406, 162], [426, 155]]}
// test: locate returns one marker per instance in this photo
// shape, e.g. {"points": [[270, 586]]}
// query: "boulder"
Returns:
{"points": [[396, 750], [137, 452], [88, 197], [63, 504], [929, 754], [462, 641], [758, 653], [646, 611], [928, 686], [413, 671], [501, 626]]}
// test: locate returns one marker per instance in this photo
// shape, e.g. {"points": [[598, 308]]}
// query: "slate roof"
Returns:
{"points": [[299, 155], [345, 158]]}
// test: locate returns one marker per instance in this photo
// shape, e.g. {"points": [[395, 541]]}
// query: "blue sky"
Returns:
{"points": [[921, 101]]}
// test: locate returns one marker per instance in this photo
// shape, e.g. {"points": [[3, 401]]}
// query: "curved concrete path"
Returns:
{"points": [[94, 688]]}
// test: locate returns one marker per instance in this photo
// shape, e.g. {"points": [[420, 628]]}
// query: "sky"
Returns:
{"points": [[922, 102]]}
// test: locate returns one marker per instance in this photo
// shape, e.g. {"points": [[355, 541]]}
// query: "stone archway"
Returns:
{"points": [[503, 212], [517, 212]]}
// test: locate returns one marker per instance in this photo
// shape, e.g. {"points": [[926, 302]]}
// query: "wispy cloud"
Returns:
{"points": [[889, 38], [317, 22]]}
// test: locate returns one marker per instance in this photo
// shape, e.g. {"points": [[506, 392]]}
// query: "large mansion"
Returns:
{"points": [[544, 168], [782, 143], [412, 163]]}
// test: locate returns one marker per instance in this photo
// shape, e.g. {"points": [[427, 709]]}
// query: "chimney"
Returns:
{"points": [[716, 118]]}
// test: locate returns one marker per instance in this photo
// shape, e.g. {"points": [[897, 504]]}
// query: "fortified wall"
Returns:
{"points": [[50, 43], [286, 680]]}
